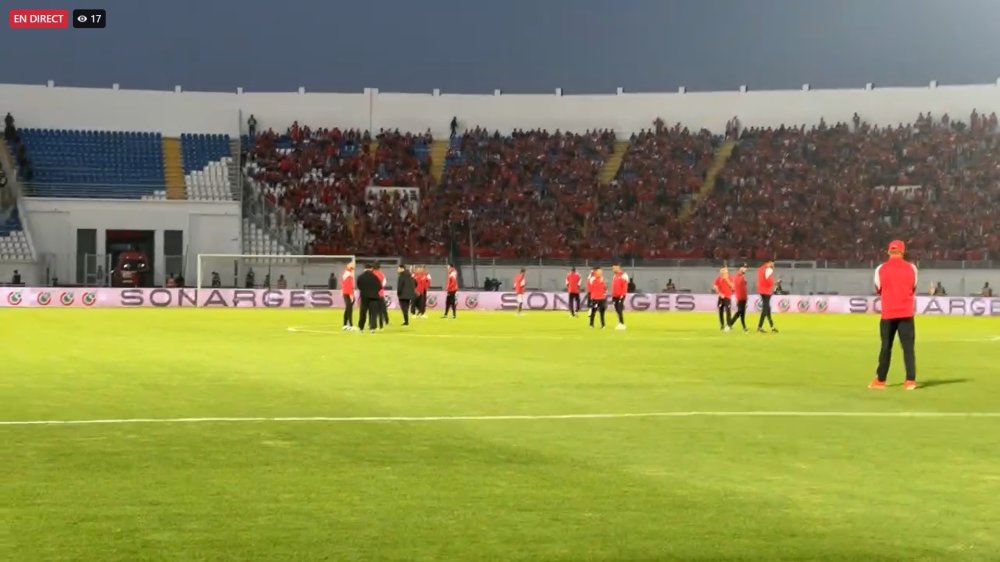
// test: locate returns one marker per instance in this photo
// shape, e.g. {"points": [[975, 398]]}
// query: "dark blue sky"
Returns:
{"points": [[473, 46]]}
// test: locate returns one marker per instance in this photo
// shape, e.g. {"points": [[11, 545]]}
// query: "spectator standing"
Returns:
{"points": [[987, 290], [406, 292], [252, 126], [282, 283], [16, 278], [896, 283]]}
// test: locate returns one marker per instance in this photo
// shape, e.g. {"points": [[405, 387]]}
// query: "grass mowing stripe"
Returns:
{"points": [[513, 417]]}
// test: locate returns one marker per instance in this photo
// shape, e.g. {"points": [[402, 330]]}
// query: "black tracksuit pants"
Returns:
{"points": [[348, 310], [370, 312], [889, 329]]}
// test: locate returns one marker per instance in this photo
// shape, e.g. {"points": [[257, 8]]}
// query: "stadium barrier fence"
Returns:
{"points": [[43, 297]]}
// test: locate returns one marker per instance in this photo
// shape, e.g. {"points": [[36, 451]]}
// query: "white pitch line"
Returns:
{"points": [[512, 417]]}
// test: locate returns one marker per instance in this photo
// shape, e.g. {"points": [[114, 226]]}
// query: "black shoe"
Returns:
{"points": [[406, 323]]}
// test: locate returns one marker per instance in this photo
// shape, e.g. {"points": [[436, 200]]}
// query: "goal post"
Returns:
{"points": [[259, 271]]}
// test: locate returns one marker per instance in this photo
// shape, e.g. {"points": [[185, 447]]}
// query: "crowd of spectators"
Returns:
{"points": [[835, 192], [839, 192], [319, 178], [529, 193]]}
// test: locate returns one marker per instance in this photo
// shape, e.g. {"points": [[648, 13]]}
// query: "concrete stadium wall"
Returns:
{"points": [[209, 227], [212, 112]]}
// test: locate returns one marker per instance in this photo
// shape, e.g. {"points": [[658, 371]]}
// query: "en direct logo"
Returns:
{"points": [[44, 298], [803, 305], [38, 19], [14, 299], [89, 299], [822, 305], [471, 301], [784, 305], [67, 299], [432, 301]]}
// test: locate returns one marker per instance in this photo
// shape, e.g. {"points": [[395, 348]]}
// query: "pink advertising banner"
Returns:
{"points": [[38, 297]]}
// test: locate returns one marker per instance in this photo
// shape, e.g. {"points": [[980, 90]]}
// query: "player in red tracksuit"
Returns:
{"points": [[896, 283], [347, 290], [418, 286], [740, 290], [573, 290], [426, 278], [597, 291], [765, 288], [519, 284], [619, 290], [451, 287], [723, 286], [382, 313]]}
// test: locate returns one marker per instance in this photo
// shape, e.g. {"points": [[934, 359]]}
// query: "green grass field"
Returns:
{"points": [[701, 487]]}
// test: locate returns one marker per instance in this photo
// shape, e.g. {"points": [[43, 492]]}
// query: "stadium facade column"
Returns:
{"points": [[159, 263]]}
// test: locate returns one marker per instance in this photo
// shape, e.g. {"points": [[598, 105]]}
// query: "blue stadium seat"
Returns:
{"points": [[198, 150], [93, 164]]}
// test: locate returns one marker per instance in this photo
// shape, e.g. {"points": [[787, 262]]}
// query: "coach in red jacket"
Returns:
{"points": [[896, 283]]}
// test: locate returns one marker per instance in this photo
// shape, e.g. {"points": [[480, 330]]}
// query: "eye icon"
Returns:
{"points": [[81, 18]]}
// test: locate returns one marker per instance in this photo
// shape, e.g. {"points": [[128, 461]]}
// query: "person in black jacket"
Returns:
{"points": [[368, 287], [406, 291]]}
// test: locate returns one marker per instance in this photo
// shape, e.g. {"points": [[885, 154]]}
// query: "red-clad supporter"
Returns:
{"points": [[383, 310], [896, 284], [765, 288], [723, 286], [619, 290], [740, 291], [347, 291], [597, 293], [451, 288], [573, 291], [519, 285]]}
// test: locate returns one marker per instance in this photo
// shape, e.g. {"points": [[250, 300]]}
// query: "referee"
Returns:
{"points": [[896, 283]]}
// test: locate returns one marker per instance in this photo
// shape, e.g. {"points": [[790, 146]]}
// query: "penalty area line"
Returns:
{"points": [[512, 417]]}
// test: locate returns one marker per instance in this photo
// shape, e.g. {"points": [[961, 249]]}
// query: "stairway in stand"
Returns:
{"points": [[173, 169], [234, 168], [722, 155], [614, 162], [439, 152]]}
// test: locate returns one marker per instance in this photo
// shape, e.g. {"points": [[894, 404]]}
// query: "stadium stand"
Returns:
{"points": [[123, 165], [677, 193], [14, 242], [90, 164], [206, 163], [837, 192]]}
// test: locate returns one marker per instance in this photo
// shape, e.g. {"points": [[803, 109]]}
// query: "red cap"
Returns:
{"points": [[897, 246]]}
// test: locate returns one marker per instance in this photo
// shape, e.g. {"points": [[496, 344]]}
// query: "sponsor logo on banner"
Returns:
{"points": [[388, 301], [659, 302], [758, 304], [538, 300]]}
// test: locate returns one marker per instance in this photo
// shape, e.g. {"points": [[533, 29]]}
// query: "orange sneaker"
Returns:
{"points": [[910, 385], [876, 385]]}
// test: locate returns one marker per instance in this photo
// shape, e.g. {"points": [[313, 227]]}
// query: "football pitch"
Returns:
{"points": [[240, 435]]}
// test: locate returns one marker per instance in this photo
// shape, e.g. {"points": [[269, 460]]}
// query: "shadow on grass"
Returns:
{"points": [[939, 382]]}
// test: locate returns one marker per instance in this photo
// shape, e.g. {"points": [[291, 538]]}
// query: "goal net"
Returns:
{"points": [[238, 271]]}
